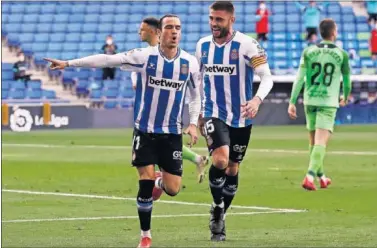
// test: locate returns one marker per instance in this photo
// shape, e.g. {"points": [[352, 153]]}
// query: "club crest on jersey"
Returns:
{"points": [[234, 54], [184, 69], [204, 54], [151, 66]]}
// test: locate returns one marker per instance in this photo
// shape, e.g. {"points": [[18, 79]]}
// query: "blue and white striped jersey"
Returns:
{"points": [[160, 96], [227, 76]]}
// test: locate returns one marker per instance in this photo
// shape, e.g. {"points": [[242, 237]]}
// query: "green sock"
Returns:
{"points": [[316, 159], [187, 154], [310, 150]]}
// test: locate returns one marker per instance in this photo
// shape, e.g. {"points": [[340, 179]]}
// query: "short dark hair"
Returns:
{"points": [[151, 21], [326, 28], [223, 5], [165, 16]]}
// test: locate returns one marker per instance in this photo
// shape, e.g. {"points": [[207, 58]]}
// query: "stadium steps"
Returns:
{"points": [[47, 84]]}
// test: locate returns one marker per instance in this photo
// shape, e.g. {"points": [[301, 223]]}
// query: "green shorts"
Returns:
{"points": [[320, 117]]}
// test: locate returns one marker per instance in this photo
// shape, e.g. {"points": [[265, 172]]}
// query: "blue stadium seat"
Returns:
{"points": [[92, 18], [48, 9], [64, 8], [44, 28], [86, 47], [7, 75], [110, 84], [17, 8], [33, 94], [33, 9], [126, 103], [4, 94], [108, 8], [29, 28], [72, 37], [18, 94], [46, 18], [6, 66], [5, 8], [70, 47], [48, 94], [181, 8], [32, 18], [93, 9], [120, 18], [5, 85], [368, 63], [362, 19], [293, 18], [41, 38], [24, 38], [55, 47], [77, 18], [278, 18], [59, 27], [106, 18], [90, 28], [78, 8], [138, 8], [363, 44], [34, 84], [96, 94], [278, 27], [61, 18], [111, 93], [39, 47], [278, 36], [74, 28], [129, 93], [165, 8], [88, 37], [57, 37], [124, 8], [293, 28], [110, 104], [362, 27]]}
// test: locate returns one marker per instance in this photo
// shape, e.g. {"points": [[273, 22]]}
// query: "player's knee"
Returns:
{"points": [[172, 191], [220, 161], [232, 169]]}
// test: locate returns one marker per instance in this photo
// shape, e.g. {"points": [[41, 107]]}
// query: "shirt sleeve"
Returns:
{"points": [[346, 72], [300, 79], [255, 54], [132, 60], [193, 87]]}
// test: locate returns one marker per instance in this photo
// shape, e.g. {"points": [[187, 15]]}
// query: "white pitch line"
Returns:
{"points": [[357, 153], [134, 217], [133, 199]]}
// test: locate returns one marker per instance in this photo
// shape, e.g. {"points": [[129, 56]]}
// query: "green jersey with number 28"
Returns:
{"points": [[321, 68]]}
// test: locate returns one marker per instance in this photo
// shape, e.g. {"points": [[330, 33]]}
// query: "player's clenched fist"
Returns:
{"points": [[191, 130], [250, 108], [292, 112], [57, 64]]}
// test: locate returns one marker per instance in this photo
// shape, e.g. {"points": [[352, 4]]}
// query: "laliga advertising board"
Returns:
{"points": [[26, 119]]}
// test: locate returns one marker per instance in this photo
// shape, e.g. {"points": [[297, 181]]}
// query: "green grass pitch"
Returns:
{"points": [[88, 189]]}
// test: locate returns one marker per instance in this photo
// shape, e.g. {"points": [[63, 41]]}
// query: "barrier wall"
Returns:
{"points": [[25, 118]]}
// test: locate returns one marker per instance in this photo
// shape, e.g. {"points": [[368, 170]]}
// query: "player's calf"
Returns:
{"points": [[144, 208], [168, 183]]}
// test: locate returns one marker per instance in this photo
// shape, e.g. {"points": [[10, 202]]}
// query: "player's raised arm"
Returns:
{"points": [[346, 72], [132, 60]]}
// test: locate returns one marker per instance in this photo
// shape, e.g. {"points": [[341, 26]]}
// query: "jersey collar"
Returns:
{"points": [[169, 60]]}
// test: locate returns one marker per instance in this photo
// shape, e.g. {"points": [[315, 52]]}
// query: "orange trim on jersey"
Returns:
{"points": [[257, 61]]}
